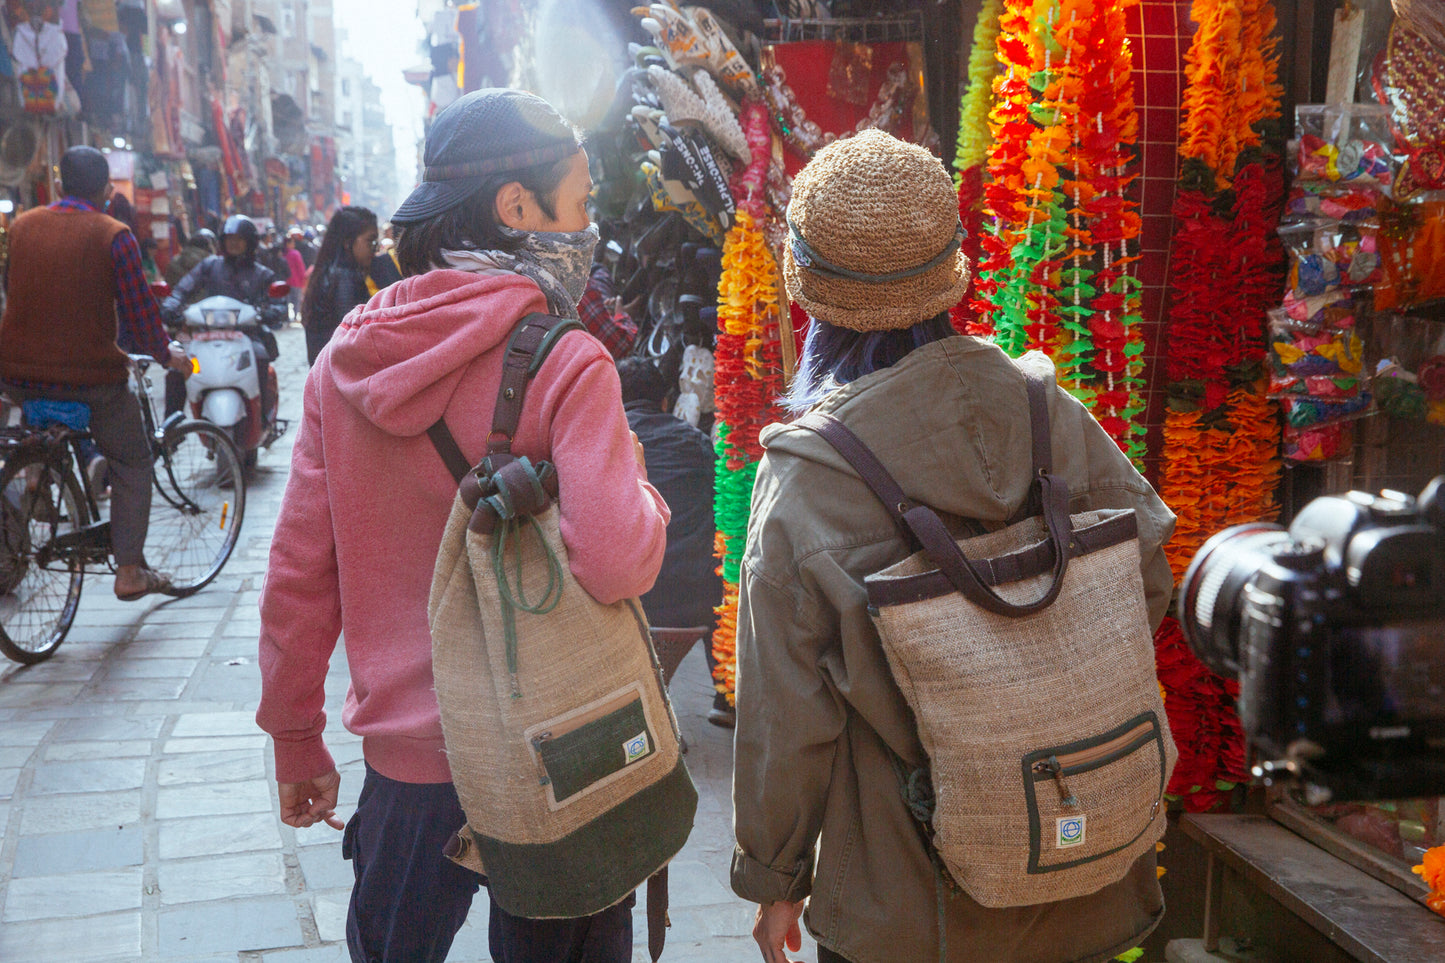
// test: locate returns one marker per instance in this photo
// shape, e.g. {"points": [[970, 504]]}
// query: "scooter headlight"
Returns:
{"points": [[220, 318]]}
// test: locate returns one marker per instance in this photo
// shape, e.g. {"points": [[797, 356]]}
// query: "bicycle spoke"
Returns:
{"points": [[41, 503], [197, 508]]}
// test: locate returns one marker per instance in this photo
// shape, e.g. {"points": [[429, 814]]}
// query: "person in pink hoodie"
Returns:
{"points": [[499, 228]]}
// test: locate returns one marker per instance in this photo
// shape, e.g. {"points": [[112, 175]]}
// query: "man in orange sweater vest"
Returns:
{"points": [[75, 294]]}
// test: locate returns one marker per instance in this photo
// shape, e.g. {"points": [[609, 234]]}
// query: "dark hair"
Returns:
{"points": [[834, 356], [472, 225], [345, 226], [84, 172], [641, 380], [122, 211]]}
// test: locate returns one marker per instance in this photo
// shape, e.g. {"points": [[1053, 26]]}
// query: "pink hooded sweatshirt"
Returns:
{"points": [[368, 498]]}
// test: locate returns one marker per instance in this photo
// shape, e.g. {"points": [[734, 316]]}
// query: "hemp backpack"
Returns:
{"points": [[561, 739], [1027, 659]]}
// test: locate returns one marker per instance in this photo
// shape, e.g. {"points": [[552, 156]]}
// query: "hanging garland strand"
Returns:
{"points": [[970, 162], [1220, 461], [1100, 291], [748, 382]]}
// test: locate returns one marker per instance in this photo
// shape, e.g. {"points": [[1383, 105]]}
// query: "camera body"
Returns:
{"points": [[1335, 629]]}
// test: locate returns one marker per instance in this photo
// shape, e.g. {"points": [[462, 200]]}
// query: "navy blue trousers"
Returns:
{"points": [[409, 900]]}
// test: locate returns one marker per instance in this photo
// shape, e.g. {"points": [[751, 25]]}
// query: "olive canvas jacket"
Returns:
{"points": [[818, 808]]}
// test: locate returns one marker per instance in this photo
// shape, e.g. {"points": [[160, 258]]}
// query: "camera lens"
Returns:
{"points": [[1211, 595]]}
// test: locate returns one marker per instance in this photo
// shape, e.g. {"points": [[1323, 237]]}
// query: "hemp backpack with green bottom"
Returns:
{"points": [[562, 743]]}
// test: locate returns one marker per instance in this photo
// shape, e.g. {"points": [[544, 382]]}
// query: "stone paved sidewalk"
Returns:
{"points": [[137, 814]]}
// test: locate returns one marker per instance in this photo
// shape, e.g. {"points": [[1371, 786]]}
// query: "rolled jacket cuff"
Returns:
{"points": [[757, 882]]}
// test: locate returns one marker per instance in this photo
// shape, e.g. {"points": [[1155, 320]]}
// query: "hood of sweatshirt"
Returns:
{"points": [[398, 358], [949, 422]]}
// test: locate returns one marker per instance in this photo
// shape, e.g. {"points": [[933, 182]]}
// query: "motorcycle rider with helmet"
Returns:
{"points": [[234, 273]]}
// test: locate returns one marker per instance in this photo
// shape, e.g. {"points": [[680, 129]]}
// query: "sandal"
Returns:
{"points": [[155, 584]]}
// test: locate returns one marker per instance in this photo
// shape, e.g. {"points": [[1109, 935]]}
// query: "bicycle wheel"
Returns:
{"points": [[39, 589], [197, 506]]}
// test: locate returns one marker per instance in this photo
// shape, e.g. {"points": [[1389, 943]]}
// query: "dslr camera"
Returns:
{"points": [[1335, 629]]}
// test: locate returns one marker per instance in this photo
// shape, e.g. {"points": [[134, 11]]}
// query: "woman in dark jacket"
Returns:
{"points": [[338, 278]]}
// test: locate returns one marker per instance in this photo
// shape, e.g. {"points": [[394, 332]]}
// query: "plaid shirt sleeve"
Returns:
{"points": [[140, 328], [617, 333]]}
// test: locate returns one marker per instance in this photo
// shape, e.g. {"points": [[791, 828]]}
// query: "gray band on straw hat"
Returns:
{"points": [[874, 235]]}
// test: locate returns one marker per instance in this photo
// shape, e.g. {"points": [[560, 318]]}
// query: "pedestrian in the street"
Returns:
{"points": [[384, 270], [820, 813], [295, 271], [76, 301], [680, 466], [196, 249], [338, 278], [498, 229]]}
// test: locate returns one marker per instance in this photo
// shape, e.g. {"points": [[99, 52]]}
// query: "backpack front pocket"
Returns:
{"points": [[592, 746], [1095, 797]]}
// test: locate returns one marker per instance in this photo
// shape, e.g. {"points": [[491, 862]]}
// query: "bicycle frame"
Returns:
{"points": [[91, 545]]}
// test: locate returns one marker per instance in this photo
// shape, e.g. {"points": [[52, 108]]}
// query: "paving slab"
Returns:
{"points": [[79, 851], [79, 811], [239, 925], [72, 895], [89, 775], [102, 939], [212, 767], [214, 800], [222, 877], [206, 836]]}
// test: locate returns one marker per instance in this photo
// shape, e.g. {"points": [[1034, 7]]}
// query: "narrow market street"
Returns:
{"points": [[137, 805]]}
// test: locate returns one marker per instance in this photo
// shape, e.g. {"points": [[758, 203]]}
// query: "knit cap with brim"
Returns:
{"points": [[876, 206], [488, 132]]}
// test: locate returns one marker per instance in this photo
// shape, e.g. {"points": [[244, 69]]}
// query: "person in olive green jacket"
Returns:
{"points": [[819, 815]]}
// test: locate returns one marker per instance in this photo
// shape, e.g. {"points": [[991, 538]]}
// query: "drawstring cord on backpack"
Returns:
{"points": [[513, 600], [917, 790]]}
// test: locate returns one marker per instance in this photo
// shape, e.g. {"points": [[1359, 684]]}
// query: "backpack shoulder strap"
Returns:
{"points": [[866, 464], [531, 341]]}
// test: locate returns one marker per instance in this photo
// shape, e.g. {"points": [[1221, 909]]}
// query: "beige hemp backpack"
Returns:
{"points": [[1027, 659], [561, 740]]}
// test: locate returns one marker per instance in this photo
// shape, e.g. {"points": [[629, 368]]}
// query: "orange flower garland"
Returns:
{"points": [[748, 382], [1220, 462], [1432, 871]]}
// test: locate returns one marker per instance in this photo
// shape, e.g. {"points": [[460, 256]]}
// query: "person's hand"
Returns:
{"points": [[313, 801], [179, 360], [776, 928], [637, 452]]}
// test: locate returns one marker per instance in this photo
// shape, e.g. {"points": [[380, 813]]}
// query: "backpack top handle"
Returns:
{"points": [[921, 526]]}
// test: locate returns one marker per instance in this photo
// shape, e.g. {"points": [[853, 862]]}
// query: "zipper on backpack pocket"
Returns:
{"points": [[1066, 764]]}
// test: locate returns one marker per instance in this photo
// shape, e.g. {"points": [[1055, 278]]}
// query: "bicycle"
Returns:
{"points": [[51, 534]]}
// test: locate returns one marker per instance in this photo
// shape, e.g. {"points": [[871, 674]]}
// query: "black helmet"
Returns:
{"points": [[242, 226], [205, 237]]}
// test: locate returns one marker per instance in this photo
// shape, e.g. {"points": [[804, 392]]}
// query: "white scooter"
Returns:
{"points": [[225, 383]]}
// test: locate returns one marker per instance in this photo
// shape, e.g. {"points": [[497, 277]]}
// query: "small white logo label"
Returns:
{"points": [[636, 747], [1071, 831]]}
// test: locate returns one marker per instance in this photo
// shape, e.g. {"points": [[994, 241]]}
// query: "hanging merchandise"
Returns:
{"points": [[1219, 465], [1056, 271], [1343, 174], [39, 49], [1406, 80], [974, 137]]}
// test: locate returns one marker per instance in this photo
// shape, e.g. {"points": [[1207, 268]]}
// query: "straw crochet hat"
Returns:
{"points": [[873, 240]]}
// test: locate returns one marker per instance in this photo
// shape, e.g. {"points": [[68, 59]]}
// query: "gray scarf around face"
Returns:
{"points": [[560, 263]]}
